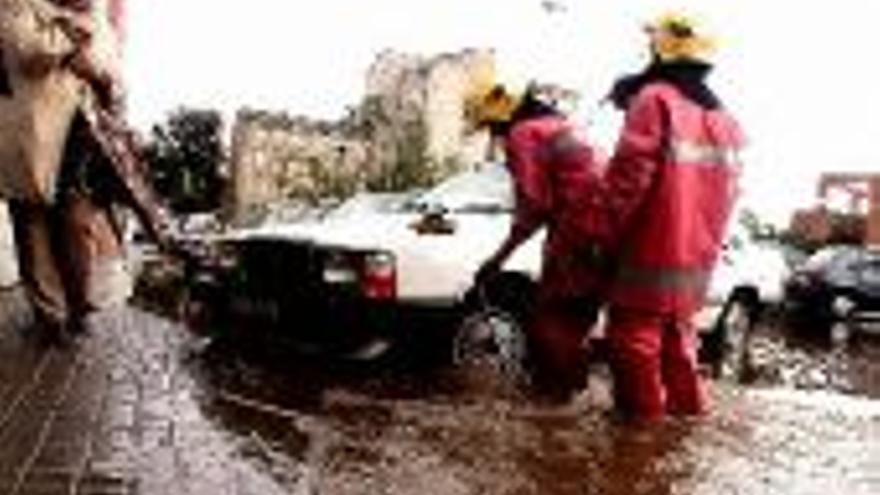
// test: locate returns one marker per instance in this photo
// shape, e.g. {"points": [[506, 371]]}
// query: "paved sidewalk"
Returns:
{"points": [[115, 414]]}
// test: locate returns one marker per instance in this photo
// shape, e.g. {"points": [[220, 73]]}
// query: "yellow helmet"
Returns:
{"points": [[676, 36], [492, 100]]}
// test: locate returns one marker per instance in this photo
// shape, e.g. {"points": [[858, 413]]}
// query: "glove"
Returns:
{"points": [[489, 269]]}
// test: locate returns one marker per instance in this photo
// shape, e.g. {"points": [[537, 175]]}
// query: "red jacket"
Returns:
{"points": [[553, 171], [666, 199]]}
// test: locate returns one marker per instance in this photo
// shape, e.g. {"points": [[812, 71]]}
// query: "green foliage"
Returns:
{"points": [[326, 181], [411, 167], [333, 183], [185, 154], [365, 120], [405, 162], [757, 229]]}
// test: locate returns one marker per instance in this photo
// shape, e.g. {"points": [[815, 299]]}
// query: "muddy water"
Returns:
{"points": [[809, 423], [135, 409]]}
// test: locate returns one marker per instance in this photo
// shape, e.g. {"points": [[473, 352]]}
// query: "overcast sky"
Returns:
{"points": [[802, 76]]}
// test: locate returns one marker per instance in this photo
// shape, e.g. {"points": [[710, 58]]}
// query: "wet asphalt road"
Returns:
{"points": [[134, 409]]}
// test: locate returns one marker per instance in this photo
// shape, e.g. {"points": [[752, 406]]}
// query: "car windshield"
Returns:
{"points": [[370, 203], [485, 190]]}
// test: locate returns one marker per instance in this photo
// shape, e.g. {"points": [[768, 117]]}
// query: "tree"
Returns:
{"points": [[185, 154], [757, 228], [409, 166], [400, 137]]}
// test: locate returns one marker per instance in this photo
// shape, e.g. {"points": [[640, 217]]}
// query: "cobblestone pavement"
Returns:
{"points": [[111, 415], [128, 411]]}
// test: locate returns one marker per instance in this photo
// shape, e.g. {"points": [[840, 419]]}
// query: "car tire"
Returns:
{"points": [[492, 339], [491, 335], [727, 347]]}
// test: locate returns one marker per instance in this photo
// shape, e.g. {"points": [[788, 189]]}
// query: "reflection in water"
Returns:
{"points": [[127, 411], [344, 431], [226, 422]]}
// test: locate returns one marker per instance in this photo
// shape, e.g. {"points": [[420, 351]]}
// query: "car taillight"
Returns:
{"points": [[379, 277]]}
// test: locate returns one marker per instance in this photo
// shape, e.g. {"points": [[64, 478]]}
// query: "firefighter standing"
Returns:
{"points": [[665, 202], [552, 170]]}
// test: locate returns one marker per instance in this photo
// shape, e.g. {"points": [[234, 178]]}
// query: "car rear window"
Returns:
{"points": [[485, 189]]}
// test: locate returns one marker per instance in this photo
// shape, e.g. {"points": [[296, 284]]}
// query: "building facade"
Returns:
{"points": [[409, 130], [275, 157], [430, 93]]}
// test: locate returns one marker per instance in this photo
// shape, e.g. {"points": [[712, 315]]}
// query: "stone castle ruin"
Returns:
{"points": [[408, 131]]}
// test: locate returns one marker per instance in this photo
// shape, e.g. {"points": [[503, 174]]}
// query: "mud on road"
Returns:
{"points": [[807, 423], [135, 408]]}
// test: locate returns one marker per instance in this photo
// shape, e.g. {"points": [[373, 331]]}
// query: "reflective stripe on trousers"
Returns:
{"points": [[693, 280]]}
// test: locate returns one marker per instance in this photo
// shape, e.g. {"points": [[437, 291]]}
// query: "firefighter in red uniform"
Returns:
{"points": [[552, 170], [663, 210]]}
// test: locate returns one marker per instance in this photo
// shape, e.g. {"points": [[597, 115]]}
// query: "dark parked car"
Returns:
{"points": [[838, 283]]}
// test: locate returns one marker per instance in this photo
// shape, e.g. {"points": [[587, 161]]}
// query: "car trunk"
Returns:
{"points": [[278, 285]]}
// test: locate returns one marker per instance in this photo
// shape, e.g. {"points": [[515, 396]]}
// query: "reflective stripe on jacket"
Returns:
{"points": [[666, 200]]}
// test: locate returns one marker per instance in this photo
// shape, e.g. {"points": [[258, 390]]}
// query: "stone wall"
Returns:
{"points": [[432, 91], [276, 157], [408, 131]]}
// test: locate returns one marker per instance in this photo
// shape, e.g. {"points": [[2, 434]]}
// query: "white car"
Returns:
{"points": [[379, 259], [748, 270], [367, 267], [750, 276]]}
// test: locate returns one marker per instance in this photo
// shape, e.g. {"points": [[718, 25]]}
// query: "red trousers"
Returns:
{"points": [[654, 365], [567, 309], [558, 343]]}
